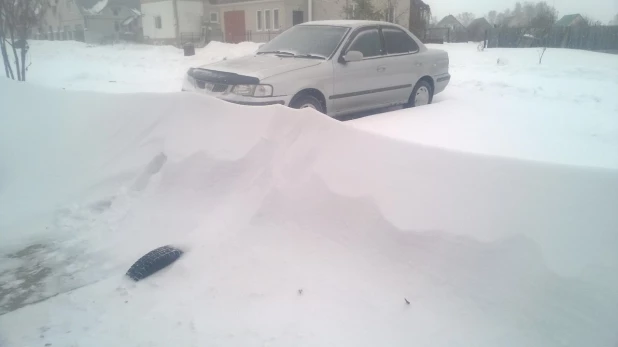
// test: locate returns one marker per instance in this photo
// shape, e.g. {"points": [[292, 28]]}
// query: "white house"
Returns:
{"points": [[179, 21], [166, 20]]}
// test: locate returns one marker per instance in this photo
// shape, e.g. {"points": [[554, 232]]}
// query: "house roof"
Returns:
{"points": [[93, 7], [449, 20], [568, 20]]}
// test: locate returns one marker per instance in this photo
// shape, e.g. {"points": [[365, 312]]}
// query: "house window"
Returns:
{"points": [[267, 19], [158, 23], [117, 26], [115, 11], [276, 25], [70, 6], [214, 17], [259, 21]]}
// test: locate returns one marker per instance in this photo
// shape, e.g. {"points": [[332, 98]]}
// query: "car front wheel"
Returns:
{"points": [[422, 94], [307, 101]]}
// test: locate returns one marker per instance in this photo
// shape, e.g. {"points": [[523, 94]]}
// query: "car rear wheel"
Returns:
{"points": [[307, 101], [422, 94]]}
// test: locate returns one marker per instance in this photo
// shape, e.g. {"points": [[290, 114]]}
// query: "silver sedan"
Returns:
{"points": [[335, 67]]}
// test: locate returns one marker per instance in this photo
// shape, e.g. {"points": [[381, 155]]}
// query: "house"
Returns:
{"points": [[572, 20], [258, 20], [478, 28], [93, 21], [452, 30], [179, 21], [172, 21]]}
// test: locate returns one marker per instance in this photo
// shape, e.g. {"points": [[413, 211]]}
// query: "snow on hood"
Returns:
{"points": [[261, 66], [298, 230]]}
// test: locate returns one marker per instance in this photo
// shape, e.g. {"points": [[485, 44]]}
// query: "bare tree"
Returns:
{"points": [[433, 21], [17, 19], [362, 9], [538, 15], [491, 17], [592, 22], [466, 18], [420, 15], [541, 15]]}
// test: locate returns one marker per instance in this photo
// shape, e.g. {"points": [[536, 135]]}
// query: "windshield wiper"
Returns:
{"points": [[294, 55], [291, 54], [310, 56]]}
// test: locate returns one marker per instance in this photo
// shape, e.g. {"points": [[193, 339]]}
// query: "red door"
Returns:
{"points": [[235, 31]]}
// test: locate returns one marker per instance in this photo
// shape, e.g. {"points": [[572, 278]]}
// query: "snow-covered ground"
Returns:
{"points": [[499, 102], [301, 230], [122, 68]]}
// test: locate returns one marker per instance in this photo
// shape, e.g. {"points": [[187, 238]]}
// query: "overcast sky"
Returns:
{"points": [[602, 10]]}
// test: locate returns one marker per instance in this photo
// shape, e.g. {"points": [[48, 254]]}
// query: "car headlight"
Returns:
{"points": [[257, 90]]}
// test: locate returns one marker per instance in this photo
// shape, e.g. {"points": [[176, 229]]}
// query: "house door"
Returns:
{"points": [[235, 31], [298, 17]]}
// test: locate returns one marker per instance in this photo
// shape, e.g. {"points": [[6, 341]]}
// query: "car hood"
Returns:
{"points": [[261, 66]]}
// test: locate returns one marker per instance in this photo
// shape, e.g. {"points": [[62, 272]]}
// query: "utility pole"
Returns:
{"points": [[176, 23]]}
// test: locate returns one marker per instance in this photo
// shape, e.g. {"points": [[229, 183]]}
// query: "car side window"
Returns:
{"points": [[397, 41], [367, 42]]}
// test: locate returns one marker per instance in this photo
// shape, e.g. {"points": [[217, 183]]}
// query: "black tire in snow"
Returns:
{"points": [[153, 261], [307, 101]]}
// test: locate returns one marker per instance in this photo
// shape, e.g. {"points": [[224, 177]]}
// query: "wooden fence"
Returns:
{"points": [[595, 38]]}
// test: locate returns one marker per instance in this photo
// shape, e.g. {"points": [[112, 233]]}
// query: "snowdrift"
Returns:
{"points": [[298, 230]]}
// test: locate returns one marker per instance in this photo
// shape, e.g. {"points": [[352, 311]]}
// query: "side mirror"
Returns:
{"points": [[353, 56]]}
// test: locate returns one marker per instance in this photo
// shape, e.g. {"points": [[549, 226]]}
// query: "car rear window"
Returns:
{"points": [[398, 42]]}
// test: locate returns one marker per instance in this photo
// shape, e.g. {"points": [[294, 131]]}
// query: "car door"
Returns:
{"points": [[403, 67], [360, 85]]}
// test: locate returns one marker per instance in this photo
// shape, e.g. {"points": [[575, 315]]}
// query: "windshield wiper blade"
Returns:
{"points": [[291, 54], [310, 56]]}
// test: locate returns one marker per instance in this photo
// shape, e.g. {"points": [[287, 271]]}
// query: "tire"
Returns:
{"points": [[307, 101], [420, 86], [153, 261]]}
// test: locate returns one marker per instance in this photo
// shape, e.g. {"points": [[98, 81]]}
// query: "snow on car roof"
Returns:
{"points": [[345, 23]]}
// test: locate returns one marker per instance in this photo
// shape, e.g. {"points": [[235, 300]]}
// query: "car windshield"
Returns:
{"points": [[306, 40]]}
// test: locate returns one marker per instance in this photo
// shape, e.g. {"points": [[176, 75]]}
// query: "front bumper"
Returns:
{"points": [[189, 85]]}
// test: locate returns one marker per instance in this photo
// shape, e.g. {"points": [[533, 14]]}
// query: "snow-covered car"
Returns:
{"points": [[335, 67]]}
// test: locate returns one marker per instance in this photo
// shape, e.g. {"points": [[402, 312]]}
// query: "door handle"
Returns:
{"points": [[381, 68]]}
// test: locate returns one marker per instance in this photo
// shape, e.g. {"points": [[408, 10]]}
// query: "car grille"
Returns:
{"points": [[212, 87], [219, 88]]}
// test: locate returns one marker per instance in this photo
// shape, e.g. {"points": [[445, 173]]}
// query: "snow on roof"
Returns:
{"points": [[345, 23], [128, 20], [98, 7]]}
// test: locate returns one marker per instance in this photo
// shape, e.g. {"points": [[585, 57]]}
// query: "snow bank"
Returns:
{"points": [[299, 231], [502, 102], [121, 68]]}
